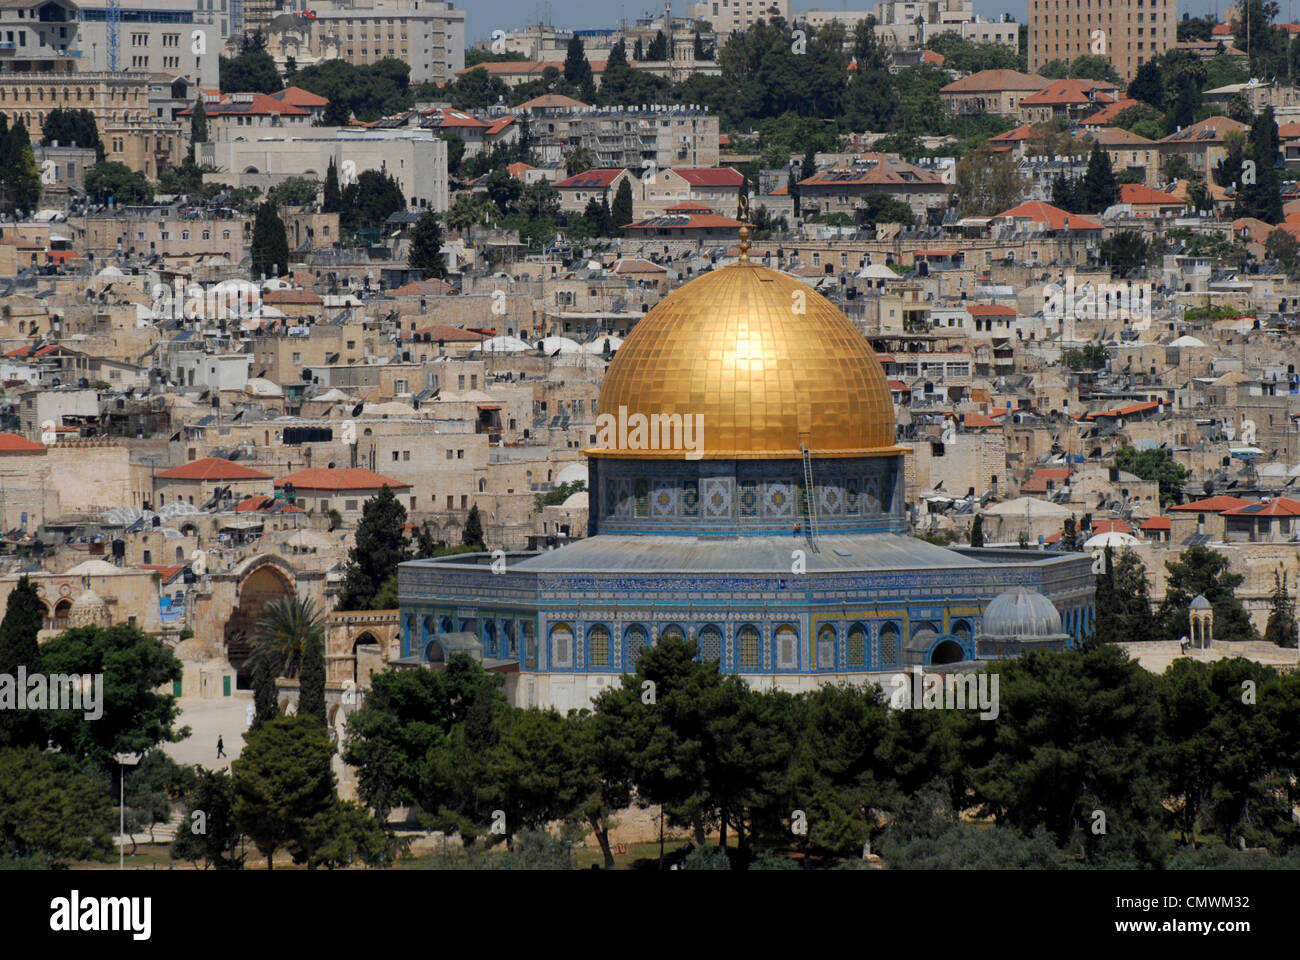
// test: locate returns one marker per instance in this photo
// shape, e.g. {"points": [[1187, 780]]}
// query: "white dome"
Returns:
{"points": [[1112, 538], [550, 345], [1021, 613]]}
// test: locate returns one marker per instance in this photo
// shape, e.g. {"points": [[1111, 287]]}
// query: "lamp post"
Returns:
{"points": [[123, 761]]}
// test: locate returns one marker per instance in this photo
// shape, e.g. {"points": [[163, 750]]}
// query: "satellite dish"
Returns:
{"points": [[199, 562], [356, 411]]}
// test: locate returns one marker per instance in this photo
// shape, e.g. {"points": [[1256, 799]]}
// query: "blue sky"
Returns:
{"points": [[484, 17]]}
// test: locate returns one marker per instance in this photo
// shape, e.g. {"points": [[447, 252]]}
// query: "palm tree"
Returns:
{"points": [[283, 632]]}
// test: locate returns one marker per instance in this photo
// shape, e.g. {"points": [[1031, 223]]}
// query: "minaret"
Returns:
{"points": [[668, 35]]}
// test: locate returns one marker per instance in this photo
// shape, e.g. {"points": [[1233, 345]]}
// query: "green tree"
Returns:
{"points": [[270, 247], [405, 715], [1124, 251], [1282, 248], [282, 779], [977, 531], [379, 546], [50, 814], [472, 536], [1099, 187], [1074, 734], [343, 834], [118, 182], [425, 253], [1123, 601], [658, 48], [212, 837], [987, 183], [135, 717], [294, 192], [150, 789], [20, 181], [622, 208], [311, 676], [251, 72], [576, 67], [503, 190], [1155, 464], [370, 200], [24, 617], [1200, 570], [265, 693], [73, 128], [284, 631], [333, 201], [1281, 628], [198, 125]]}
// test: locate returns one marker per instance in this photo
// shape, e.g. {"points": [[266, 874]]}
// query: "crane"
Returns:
{"points": [[114, 18]]}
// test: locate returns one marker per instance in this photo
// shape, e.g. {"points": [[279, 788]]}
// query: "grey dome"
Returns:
{"points": [[1200, 603], [1021, 613]]}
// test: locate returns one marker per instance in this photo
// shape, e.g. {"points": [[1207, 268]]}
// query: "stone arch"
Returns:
{"points": [[259, 581], [947, 650]]}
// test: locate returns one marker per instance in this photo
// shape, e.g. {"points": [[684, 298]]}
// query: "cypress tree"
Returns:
{"points": [[264, 705], [622, 209], [270, 247], [311, 679], [198, 127], [333, 196], [23, 619], [977, 531], [473, 535]]}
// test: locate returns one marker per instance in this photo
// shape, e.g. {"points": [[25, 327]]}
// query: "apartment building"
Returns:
{"points": [[1128, 33], [669, 137], [427, 34], [158, 36], [729, 16], [39, 36]]}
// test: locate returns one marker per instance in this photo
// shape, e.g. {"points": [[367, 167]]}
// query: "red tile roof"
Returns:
{"points": [[989, 310], [1216, 504], [13, 443], [1110, 525], [249, 104], [899, 386], [973, 421], [1137, 193], [259, 504], [1109, 112], [598, 178], [1054, 217], [212, 468], [1280, 507], [994, 80], [32, 350], [1022, 132], [1217, 125], [344, 478], [302, 297], [300, 97], [710, 176], [444, 331], [1157, 523], [1060, 92]]}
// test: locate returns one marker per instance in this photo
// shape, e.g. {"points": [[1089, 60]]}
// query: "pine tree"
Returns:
{"points": [[1281, 628], [977, 531], [311, 679], [23, 619], [426, 247], [622, 209], [473, 534], [333, 196], [264, 694], [379, 546], [270, 247], [637, 52], [198, 127], [1100, 189], [18, 172]]}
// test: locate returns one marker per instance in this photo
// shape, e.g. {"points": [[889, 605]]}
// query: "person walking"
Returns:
{"points": [[221, 749]]}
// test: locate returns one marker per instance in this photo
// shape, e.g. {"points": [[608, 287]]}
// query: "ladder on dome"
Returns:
{"points": [[809, 498]]}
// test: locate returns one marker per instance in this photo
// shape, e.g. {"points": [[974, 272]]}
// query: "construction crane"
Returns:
{"points": [[114, 18]]}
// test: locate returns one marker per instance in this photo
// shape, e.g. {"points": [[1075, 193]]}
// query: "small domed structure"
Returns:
{"points": [[1200, 603], [195, 650], [89, 610], [1017, 621]]}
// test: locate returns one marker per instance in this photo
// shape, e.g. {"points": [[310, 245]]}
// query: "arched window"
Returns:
{"points": [[598, 646], [635, 642], [672, 632], [787, 647], [826, 659], [747, 641], [961, 628], [710, 641], [490, 638], [530, 646], [61, 614], [509, 645], [444, 625], [857, 646], [561, 645], [889, 645]]}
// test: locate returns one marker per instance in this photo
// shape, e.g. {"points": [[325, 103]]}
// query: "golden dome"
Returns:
{"points": [[733, 347]]}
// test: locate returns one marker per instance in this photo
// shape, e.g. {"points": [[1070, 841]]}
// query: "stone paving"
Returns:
{"points": [[1157, 655]]}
